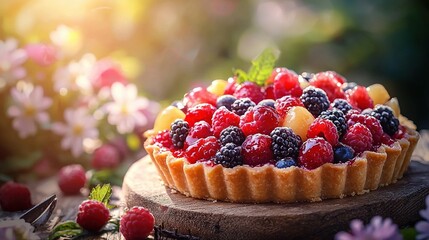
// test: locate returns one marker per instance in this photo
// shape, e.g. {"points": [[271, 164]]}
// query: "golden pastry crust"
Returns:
{"points": [[270, 184]]}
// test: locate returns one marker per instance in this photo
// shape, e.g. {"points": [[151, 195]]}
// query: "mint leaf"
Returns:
{"points": [[241, 76], [262, 67], [102, 194], [67, 229]]}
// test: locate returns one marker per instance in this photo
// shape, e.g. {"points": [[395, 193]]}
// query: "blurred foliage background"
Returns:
{"points": [[166, 47]]}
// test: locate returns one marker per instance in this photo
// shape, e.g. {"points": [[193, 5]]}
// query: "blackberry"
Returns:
{"points": [[342, 105], [225, 100], [267, 103], [343, 153], [306, 76], [285, 143], [240, 106], [338, 118], [315, 100], [286, 162], [232, 134], [388, 121], [349, 86], [179, 132], [229, 156]]}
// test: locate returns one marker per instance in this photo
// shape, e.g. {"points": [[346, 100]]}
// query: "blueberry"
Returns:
{"points": [[267, 103], [286, 162], [349, 86], [343, 153], [225, 100]]}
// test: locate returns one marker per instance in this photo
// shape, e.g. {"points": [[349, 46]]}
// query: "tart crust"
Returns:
{"points": [[270, 184]]}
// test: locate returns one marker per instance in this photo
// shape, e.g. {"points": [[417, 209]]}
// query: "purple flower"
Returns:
{"points": [[376, 229], [422, 227]]}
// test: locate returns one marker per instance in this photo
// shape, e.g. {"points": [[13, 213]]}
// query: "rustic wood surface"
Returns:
{"points": [[219, 220]]}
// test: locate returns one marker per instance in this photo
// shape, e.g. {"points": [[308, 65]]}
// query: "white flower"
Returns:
{"points": [[124, 111], [78, 127], [29, 107], [11, 229], [11, 60]]}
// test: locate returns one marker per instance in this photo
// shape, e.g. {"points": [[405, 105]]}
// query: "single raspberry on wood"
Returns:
{"points": [[71, 179], [137, 223], [105, 157], [14, 197], [358, 137], [92, 215], [223, 118], [202, 150]]}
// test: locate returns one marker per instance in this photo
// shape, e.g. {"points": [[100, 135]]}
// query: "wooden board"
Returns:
{"points": [[220, 220]]}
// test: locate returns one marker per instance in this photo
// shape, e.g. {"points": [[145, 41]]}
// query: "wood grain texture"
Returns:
{"points": [[321, 220]]}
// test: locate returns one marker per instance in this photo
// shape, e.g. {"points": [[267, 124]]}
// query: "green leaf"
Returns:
{"points": [[66, 229], [241, 76], [409, 233], [102, 194], [262, 66]]}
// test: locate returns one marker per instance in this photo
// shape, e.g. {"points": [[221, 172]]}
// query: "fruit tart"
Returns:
{"points": [[271, 135]]}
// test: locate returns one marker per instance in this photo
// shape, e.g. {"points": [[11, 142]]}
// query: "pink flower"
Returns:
{"points": [[422, 227], [11, 60], [378, 228], [105, 73], [42, 54], [29, 107]]}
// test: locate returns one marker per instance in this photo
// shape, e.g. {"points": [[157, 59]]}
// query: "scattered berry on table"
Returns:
{"points": [[14, 197], [287, 83], [71, 179], [92, 215], [259, 119], [359, 138], [343, 153], [232, 134], [202, 150], [200, 112], [268, 103], [256, 150], [163, 139], [285, 143], [342, 105], [285, 163], [223, 118], [371, 123], [388, 121], [178, 133], [314, 153], [226, 101], [105, 157], [197, 96], [338, 118], [137, 223], [240, 106], [229, 155], [249, 90], [328, 82], [323, 128], [315, 100], [358, 97], [284, 104], [200, 129]]}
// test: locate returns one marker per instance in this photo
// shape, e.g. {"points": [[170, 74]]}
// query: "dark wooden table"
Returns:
{"points": [[67, 205]]}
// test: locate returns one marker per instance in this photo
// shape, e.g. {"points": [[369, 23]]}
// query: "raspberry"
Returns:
{"points": [[337, 117], [223, 118], [256, 150], [348, 86], [351, 112], [163, 139], [359, 138], [268, 103], [274, 73], [202, 150], [327, 81], [314, 153], [201, 129], [259, 119], [229, 156], [388, 121], [341, 105], [284, 104], [285, 143], [232, 134], [179, 132], [323, 128], [226, 101], [14, 197], [137, 223], [286, 83], [200, 112], [315, 100], [249, 90], [240, 106], [343, 153], [386, 139], [197, 96], [286, 162], [358, 97], [402, 131], [370, 122], [71, 179], [306, 76], [105, 157], [269, 92], [92, 215], [231, 86]]}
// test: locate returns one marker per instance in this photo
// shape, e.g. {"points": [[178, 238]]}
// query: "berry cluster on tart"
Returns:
{"points": [[288, 138]]}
